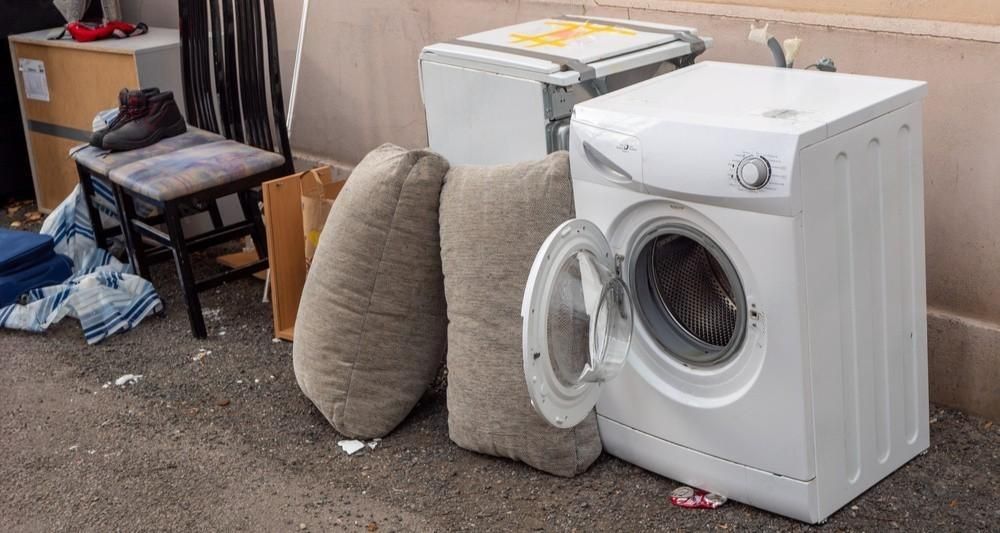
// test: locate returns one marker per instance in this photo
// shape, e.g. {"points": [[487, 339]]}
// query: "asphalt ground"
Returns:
{"points": [[225, 441]]}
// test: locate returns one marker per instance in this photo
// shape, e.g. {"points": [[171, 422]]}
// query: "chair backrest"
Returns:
{"points": [[232, 82]]}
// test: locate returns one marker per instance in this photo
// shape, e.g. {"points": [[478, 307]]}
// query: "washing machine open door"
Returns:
{"points": [[577, 322]]}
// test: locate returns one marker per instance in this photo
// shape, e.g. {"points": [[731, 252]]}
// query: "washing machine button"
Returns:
{"points": [[754, 172]]}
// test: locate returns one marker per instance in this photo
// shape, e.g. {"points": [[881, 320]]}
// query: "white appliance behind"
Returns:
{"points": [[476, 117], [504, 105]]}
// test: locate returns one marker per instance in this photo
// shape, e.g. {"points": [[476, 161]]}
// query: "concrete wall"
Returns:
{"points": [[973, 11], [359, 88]]}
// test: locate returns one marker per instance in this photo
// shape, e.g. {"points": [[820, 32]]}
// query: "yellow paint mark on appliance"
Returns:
{"points": [[565, 31]]}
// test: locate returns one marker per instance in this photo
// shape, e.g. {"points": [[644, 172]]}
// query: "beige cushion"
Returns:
{"points": [[370, 330], [493, 220]]}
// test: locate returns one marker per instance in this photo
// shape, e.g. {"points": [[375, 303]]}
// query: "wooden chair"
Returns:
{"points": [[236, 140]]}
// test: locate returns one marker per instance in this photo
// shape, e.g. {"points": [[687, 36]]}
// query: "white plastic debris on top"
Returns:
{"points": [[353, 446], [759, 35], [791, 48], [128, 379]]}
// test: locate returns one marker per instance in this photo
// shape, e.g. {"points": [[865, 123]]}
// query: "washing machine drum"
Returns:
{"points": [[690, 297]]}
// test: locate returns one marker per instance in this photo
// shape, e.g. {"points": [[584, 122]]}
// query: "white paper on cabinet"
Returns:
{"points": [[36, 86]]}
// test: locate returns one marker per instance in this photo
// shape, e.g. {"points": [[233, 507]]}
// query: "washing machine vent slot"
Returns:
{"points": [[693, 288]]}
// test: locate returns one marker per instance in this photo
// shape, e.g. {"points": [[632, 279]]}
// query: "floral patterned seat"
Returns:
{"points": [[191, 170], [103, 162]]}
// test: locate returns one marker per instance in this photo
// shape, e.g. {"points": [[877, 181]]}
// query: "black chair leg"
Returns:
{"points": [[215, 214], [251, 212], [133, 239], [185, 272], [87, 188]]}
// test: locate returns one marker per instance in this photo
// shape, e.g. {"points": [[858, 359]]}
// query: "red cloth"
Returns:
{"points": [[85, 32]]}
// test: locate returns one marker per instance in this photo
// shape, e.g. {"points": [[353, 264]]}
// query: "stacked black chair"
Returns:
{"points": [[236, 140]]}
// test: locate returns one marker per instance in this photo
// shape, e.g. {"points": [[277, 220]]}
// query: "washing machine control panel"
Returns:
{"points": [[752, 172]]}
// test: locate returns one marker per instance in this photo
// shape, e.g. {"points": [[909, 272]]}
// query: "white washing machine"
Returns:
{"points": [[742, 294]]}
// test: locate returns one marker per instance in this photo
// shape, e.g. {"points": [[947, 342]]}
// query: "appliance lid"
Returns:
{"points": [[577, 320], [750, 97], [554, 45]]}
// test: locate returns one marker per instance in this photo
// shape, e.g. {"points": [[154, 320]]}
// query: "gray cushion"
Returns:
{"points": [[370, 330], [493, 220]]}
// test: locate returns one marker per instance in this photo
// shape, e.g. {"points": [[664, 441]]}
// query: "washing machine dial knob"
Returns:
{"points": [[753, 172]]}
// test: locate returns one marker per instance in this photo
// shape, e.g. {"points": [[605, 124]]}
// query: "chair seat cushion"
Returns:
{"points": [[192, 170], [102, 162]]}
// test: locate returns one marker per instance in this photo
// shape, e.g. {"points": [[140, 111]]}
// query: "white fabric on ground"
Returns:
{"points": [[102, 294]]}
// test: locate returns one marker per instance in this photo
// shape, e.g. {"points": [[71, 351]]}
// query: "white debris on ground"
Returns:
{"points": [[352, 446], [212, 313], [128, 379], [202, 353]]}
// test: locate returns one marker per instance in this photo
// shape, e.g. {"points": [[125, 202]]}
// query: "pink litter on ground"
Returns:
{"points": [[696, 498]]}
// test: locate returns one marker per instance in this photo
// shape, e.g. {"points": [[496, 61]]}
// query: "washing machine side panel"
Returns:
{"points": [[481, 118], [866, 312]]}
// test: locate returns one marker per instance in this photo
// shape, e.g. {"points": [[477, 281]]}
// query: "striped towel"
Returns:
{"points": [[102, 294]]}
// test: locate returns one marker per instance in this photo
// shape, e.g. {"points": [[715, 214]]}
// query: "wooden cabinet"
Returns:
{"points": [[82, 79]]}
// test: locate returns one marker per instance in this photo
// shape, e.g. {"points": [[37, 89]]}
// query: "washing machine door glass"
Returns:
{"points": [[577, 322]]}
